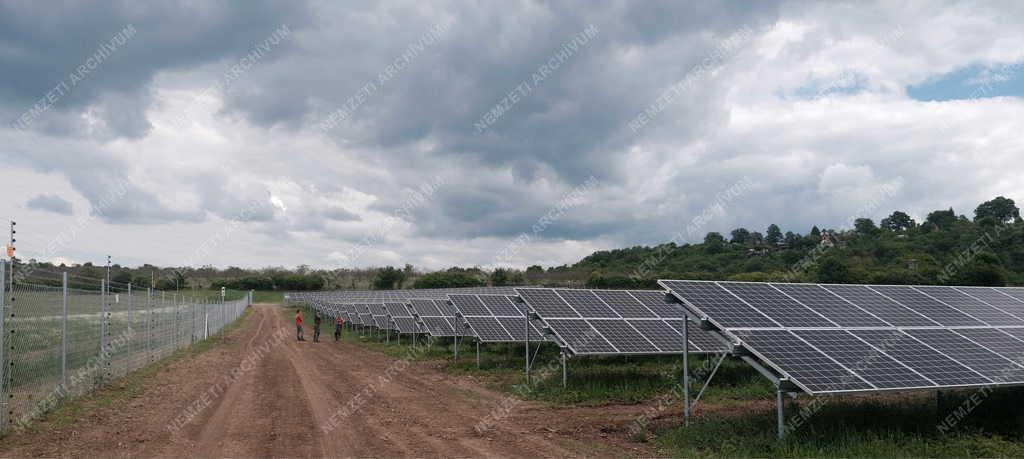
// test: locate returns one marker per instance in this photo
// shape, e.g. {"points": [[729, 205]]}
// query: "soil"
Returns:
{"points": [[262, 393]]}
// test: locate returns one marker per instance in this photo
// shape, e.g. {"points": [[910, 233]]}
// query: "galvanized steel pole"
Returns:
{"points": [[64, 334]]}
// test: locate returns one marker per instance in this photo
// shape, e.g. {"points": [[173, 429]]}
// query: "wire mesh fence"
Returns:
{"points": [[62, 338]]}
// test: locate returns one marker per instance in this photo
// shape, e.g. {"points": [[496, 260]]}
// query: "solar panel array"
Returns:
{"points": [[381, 296], [608, 322], [496, 318], [436, 317], [865, 338], [400, 318]]}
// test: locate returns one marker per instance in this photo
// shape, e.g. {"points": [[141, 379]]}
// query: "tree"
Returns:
{"points": [[535, 269], [985, 270], [773, 236], [179, 279], [447, 279], [865, 226], [942, 218], [792, 239], [713, 242], [756, 239], [500, 277], [740, 236], [898, 222], [388, 278], [713, 238], [832, 271], [1000, 209]]}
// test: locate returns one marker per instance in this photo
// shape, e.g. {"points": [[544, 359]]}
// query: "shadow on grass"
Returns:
{"points": [[869, 426]]}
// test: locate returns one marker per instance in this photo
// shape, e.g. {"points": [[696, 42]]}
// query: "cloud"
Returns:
{"points": [[816, 107], [50, 203]]}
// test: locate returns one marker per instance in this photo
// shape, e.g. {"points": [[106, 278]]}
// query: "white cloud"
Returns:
{"points": [[813, 110]]}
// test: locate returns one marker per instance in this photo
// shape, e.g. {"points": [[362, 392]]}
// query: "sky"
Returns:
{"points": [[512, 133]]}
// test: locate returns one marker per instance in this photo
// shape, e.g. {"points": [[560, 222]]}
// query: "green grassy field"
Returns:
{"points": [[736, 417]]}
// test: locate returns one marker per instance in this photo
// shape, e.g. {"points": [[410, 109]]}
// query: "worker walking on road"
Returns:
{"points": [[337, 328], [316, 328], [298, 325]]}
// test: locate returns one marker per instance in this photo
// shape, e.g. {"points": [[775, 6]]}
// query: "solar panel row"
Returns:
{"points": [[739, 305], [496, 318], [852, 338], [595, 322]]}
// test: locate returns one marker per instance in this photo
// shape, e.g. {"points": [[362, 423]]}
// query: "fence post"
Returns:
{"points": [[64, 335], [103, 328], [149, 325], [4, 388], [177, 322]]}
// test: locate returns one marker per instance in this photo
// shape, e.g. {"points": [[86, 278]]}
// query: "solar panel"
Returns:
{"points": [[470, 305], [1015, 292], [446, 307], [667, 339], [488, 329], [586, 303], [928, 362], [515, 327], [718, 304], [624, 337], [1014, 332], [605, 312], [776, 305], [971, 355], [701, 340], [881, 306], [438, 326], [970, 305], [872, 365], [406, 325], [994, 298], [658, 302], [500, 305], [424, 307], [807, 367], [996, 341], [546, 303], [625, 304], [829, 305], [580, 337], [925, 305]]}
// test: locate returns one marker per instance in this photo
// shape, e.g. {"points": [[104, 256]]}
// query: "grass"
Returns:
{"points": [[129, 386], [879, 426], [268, 297]]}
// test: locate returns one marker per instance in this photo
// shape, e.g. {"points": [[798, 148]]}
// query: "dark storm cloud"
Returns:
{"points": [[45, 43], [50, 203]]}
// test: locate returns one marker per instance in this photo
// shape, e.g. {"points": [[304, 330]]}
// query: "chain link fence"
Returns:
{"points": [[62, 337]]}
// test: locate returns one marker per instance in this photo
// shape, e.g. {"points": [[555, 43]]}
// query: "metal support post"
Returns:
{"points": [[3, 345], [780, 408], [478, 355], [149, 325], [103, 327], [686, 372], [131, 326], [526, 331], [64, 334], [565, 372]]}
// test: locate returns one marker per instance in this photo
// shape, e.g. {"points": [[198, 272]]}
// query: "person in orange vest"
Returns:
{"points": [[298, 325], [337, 328]]}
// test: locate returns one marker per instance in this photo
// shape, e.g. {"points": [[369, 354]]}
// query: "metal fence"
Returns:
{"points": [[63, 337]]}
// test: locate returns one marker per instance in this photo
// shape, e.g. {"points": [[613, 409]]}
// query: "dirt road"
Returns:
{"points": [[263, 394]]}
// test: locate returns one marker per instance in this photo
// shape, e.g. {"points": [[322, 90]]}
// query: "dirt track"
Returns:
{"points": [[263, 394]]}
